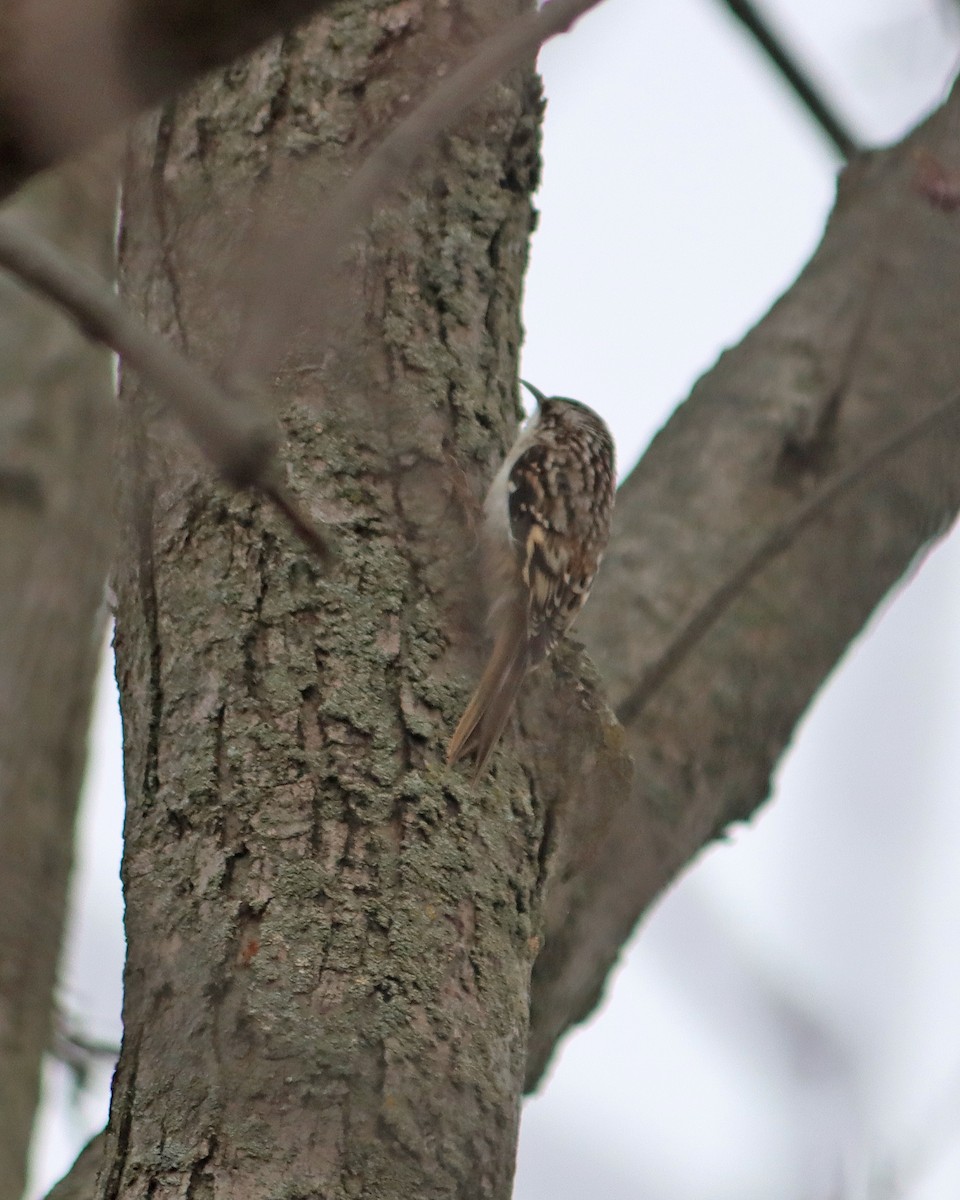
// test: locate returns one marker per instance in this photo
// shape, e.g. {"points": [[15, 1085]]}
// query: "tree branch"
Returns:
{"points": [[235, 438], [56, 442], [232, 434], [799, 82], [772, 545], [769, 443]]}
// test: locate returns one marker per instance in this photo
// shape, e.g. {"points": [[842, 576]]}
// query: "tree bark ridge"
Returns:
{"points": [[330, 936]]}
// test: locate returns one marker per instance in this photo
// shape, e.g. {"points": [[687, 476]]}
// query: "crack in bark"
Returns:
{"points": [[144, 501], [161, 204], [123, 1122], [251, 643], [394, 670], [544, 816], [200, 1185], [278, 109]]}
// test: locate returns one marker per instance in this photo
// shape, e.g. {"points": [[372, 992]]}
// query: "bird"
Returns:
{"points": [[546, 523]]}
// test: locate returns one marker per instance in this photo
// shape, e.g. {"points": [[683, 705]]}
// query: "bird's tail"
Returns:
{"points": [[485, 716]]}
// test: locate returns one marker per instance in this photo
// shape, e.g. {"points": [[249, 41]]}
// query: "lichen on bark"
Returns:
{"points": [[330, 933]]}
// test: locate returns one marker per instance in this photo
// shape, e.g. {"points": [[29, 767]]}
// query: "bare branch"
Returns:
{"points": [[77, 1050], [56, 444], [790, 407], [236, 438], [779, 539], [78, 70], [794, 76], [237, 441]]}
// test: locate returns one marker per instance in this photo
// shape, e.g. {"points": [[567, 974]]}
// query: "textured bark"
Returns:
{"points": [[330, 934], [860, 344], [71, 70], [56, 417]]}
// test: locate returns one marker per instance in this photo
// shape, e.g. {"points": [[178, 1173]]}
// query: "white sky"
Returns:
{"points": [[787, 1023]]}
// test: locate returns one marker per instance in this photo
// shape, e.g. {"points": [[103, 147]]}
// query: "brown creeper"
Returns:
{"points": [[546, 524]]}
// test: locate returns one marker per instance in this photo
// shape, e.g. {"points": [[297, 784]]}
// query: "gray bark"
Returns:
{"points": [[56, 419], [330, 935]]}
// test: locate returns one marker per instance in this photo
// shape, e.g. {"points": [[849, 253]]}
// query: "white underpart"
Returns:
{"points": [[496, 507]]}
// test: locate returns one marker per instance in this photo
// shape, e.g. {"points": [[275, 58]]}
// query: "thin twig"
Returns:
{"points": [[235, 437], [309, 253], [238, 441], [794, 75], [779, 539], [308, 531], [68, 1045]]}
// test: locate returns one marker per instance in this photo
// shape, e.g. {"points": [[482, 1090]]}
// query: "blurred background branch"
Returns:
{"points": [[797, 78], [56, 536]]}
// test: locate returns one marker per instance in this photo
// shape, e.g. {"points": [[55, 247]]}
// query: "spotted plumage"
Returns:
{"points": [[546, 524]]}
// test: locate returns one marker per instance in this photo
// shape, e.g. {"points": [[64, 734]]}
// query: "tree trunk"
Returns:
{"points": [[56, 424], [330, 934]]}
